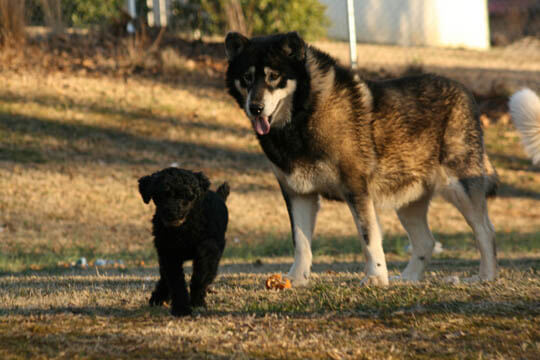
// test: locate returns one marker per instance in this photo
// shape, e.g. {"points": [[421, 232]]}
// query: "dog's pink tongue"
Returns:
{"points": [[261, 125]]}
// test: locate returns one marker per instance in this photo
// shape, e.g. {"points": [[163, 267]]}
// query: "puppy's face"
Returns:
{"points": [[174, 192]]}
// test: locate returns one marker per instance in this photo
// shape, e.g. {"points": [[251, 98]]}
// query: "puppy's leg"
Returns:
{"points": [[161, 292], [472, 205], [413, 217], [176, 282], [302, 214], [369, 230], [205, 267]]}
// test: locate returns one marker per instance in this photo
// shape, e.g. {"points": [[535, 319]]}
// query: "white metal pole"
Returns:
{"points": [[151, 16], [132, 11], [163, 13], [352, 32]]}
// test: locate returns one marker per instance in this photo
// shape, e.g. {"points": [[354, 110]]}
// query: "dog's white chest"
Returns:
{"points": [[316, 178]]}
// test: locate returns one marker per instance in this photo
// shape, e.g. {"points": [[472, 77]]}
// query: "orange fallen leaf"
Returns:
{"points": [[277, 282]]}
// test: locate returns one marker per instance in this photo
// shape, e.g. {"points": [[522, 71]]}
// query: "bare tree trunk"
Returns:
{"points": [[236, 20], [12, 22], [52, 10]]}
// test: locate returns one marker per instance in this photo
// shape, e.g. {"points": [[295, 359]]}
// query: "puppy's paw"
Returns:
{"points": [[157, 299], [198, 302], [180, 311]]}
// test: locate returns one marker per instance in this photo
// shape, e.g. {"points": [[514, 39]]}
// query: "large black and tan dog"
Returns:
{"points": [[391, 143]]}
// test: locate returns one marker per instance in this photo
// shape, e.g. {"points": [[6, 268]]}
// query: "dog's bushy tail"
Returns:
{"points": [[525, 112], [223, 191]]}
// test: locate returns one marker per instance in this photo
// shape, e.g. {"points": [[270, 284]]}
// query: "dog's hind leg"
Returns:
{"points": [[413, 217], [205, 267], [472, 204], [367, 223], [302, 213]]}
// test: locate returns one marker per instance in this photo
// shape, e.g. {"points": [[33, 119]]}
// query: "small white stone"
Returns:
{"points": [[452, 279], [438, 248]]}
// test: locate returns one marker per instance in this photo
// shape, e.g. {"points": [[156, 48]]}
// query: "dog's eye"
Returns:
{"points": [[273, 76], [247, 78]]}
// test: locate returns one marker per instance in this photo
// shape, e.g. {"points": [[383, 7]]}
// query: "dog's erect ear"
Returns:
{"points": [[235, 43], [203, 181], [293, 46], [146, 185]]}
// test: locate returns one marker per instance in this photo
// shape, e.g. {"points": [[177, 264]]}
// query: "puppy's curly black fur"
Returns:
{"points": [[189, 224]]}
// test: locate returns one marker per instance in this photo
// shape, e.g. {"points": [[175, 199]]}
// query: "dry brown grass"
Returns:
{"points": [[72, 148], [75, 147], [82, 315]]}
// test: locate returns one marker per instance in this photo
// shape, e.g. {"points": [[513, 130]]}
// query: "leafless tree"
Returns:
{"points": [[52, 9], [236, 20], [12, 22]]}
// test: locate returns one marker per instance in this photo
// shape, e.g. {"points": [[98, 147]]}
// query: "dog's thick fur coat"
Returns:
{"points": [[189, 224], [392, 143], [525, 111]]}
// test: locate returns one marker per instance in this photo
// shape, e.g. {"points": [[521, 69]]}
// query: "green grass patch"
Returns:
{"points": [[456, 246]]}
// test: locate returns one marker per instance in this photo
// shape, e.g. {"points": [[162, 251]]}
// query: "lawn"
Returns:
{"points": [[75, 139]]}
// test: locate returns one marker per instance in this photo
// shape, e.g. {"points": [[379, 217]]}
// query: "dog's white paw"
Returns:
{"points": [[471, 280], [299, 275], [402, 279], [298, 280], [411, 277], [374, 280], [468, 280], [452, 279]]}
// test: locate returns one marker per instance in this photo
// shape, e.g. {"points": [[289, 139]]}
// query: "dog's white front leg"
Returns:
{"points": [[302, 213], [369, 231]]}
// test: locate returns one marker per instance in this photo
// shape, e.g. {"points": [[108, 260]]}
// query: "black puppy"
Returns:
{"points": [[189, 224]]}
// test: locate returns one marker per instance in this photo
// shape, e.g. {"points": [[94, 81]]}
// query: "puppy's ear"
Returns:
{"points": [[293, 46], [203, 181], [146, 185], [235, 43]]}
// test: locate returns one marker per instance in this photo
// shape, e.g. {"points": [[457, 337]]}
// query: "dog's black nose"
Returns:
{"points": [[256, 108]]}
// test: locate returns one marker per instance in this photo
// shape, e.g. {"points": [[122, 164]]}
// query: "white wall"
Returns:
{"points": [[445, 23]]}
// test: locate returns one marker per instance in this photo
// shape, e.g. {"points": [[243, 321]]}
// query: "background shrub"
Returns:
{"points": [[81, 13], [252, 17], [260, 16]]}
